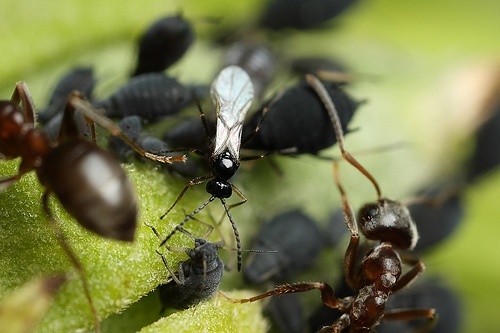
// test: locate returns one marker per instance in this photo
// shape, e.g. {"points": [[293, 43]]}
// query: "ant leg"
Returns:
{"points": [[69, 252], [22, 95], [78, 102], [179, 227], [411, 314], [350, 219], [235, 231], [410, 276], [192, 182], [339, 133], [327, 296]]}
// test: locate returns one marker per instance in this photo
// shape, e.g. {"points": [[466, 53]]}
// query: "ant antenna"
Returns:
{"points": [[320, 89]]}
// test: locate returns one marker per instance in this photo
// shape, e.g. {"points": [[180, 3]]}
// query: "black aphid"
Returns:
{"points": [[295, 252], [162, 44], [149, 96]]}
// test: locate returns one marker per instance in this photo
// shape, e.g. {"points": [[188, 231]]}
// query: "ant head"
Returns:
{"points": [[225, 165], [388, 221]]}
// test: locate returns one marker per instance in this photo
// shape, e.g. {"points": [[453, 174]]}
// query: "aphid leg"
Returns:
{"points": [[179, 227], [235, 231], [411, 314], [350, 219], [77, 102], [22, 95], [320, 89], [170, 272], [192, 182], [74, 260], [409, 277]]}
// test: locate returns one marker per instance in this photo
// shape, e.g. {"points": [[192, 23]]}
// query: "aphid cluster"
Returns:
{"points": [[310, 114]]}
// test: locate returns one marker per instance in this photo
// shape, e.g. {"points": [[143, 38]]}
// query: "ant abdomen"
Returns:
{"points": [[105, 202]]}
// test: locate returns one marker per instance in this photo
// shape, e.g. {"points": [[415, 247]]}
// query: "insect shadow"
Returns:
{"points": [[380, 272], [232, 93]]}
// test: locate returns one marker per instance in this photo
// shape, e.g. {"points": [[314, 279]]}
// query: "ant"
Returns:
{"points": [[381, 271], [103, 202], [232, 92]]}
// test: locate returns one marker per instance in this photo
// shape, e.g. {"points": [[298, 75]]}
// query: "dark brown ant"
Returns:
{"points": [[87, 180], [381, 271]]}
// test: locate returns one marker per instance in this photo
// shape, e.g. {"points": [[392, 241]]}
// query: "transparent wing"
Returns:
{"points": [[232, 92]]}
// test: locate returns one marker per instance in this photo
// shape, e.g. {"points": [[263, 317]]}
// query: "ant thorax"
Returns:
{"points": [[388, 221]]}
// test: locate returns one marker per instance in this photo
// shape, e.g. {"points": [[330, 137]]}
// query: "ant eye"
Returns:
{"points": [[369, 212]]}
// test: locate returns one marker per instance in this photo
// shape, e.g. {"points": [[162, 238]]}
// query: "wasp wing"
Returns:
{"points": [[232, 92]]}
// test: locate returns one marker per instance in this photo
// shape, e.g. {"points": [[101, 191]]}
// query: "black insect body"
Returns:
{"points": [[197, 279], [300, 14], [162, 44], [297, 241], [232, 92], [287, 313], [149, 96], [297, 121], [486, 156], [380, 273], [190, 133], [79, 78], [257, 60], [440, 217]]}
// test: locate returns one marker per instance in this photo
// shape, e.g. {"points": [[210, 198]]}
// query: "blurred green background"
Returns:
{"points": [[423, 67]]}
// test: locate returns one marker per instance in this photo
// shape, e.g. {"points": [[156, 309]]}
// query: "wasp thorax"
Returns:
{"points": [[388, 221], [225, 165]]}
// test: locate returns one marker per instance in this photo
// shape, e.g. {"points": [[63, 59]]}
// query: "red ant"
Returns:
{"points": [[87, 180], [381, 271]]}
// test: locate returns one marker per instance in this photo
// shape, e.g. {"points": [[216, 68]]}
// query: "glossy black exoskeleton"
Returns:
{"points": [[297, 240], [149, 96], [162, 44], [297, 121], [300, 14]]}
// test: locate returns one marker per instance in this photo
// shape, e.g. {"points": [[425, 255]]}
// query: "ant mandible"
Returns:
{"points": [[381, 271], [87, 180]]}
